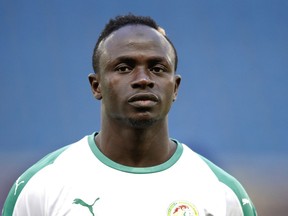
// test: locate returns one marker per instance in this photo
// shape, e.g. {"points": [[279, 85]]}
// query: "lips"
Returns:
{"points": [[143, 100], [143, 97]]}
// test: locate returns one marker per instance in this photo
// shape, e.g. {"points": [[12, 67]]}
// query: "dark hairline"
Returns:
{"points": [[115, 24]]}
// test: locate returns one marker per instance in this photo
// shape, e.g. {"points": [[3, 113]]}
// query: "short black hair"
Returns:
{"points": [[119, 22]]}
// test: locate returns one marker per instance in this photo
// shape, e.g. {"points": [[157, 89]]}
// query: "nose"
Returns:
{"points": [[142, 80]]}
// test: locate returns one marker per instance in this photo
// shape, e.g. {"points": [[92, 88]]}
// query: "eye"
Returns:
{"points": [[123, 68], [158, 69]]}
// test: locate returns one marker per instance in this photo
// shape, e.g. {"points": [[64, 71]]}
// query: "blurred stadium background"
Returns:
{"points": [[232, 105]]}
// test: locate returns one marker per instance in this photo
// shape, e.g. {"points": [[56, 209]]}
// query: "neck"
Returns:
{"points": [[136, 147]]}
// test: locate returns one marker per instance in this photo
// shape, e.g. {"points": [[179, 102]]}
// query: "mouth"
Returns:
{"points": [[141, 100]]}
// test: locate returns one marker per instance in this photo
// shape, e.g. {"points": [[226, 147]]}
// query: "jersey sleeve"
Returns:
{"points": [[13, 204], [233, 189]]}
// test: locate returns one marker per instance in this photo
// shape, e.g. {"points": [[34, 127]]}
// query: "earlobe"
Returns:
{"points": [[177, 84], [95, 85]]}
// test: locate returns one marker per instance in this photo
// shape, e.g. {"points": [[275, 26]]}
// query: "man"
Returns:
{"points": [[131, 167]]}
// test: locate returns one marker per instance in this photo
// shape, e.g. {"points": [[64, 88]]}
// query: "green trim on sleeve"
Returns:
{"points": [[137, 170], [25, 177], [246, 203]]}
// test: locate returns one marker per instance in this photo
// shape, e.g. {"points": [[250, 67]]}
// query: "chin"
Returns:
{"points": [[142, 123]]}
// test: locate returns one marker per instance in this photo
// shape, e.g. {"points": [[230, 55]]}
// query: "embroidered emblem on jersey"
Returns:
{"points": [[84, 204], [182, 208]]}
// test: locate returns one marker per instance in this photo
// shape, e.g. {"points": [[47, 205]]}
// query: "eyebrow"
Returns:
{"points": [[150, 59], [127, 59]]}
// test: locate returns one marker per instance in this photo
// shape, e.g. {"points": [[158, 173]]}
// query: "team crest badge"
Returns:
{"points": [[182, 208]]}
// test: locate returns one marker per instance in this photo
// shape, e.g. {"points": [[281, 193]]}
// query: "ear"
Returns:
{"points": [[177, 84], [95, 85]]}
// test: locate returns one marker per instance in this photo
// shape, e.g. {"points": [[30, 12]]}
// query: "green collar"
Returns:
{"points": [[137, 170]]}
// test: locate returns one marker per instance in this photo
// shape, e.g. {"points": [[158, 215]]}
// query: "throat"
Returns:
{"points": [[136, 148], [143, 156]]}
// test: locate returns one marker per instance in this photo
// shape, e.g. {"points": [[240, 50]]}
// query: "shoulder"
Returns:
{"points": [[41, 170], [233, 189]]}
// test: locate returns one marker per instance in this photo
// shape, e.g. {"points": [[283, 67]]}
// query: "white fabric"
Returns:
{"points": [[78, 179]]}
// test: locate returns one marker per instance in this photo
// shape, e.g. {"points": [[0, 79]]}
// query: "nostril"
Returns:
{"points": [[151, 84], [142, 83]]}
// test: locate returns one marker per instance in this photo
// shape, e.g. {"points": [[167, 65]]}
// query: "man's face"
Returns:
{"points": [[136, 81]]}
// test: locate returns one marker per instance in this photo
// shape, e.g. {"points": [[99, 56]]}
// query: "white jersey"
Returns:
{"points": [[80, 180]]}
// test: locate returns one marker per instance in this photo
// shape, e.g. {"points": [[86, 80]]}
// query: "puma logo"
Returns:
{"points": [[82, 203], [17, 183]]}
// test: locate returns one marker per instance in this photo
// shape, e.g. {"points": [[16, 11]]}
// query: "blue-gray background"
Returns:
{"points": [[232, 105]]}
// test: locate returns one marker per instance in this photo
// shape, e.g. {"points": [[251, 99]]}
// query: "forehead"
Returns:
{"points": [[143, 39]]}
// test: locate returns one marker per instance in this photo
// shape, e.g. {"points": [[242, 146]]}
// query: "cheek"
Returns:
{"points": [[170, 89], [167, 92], [112, 89]]}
